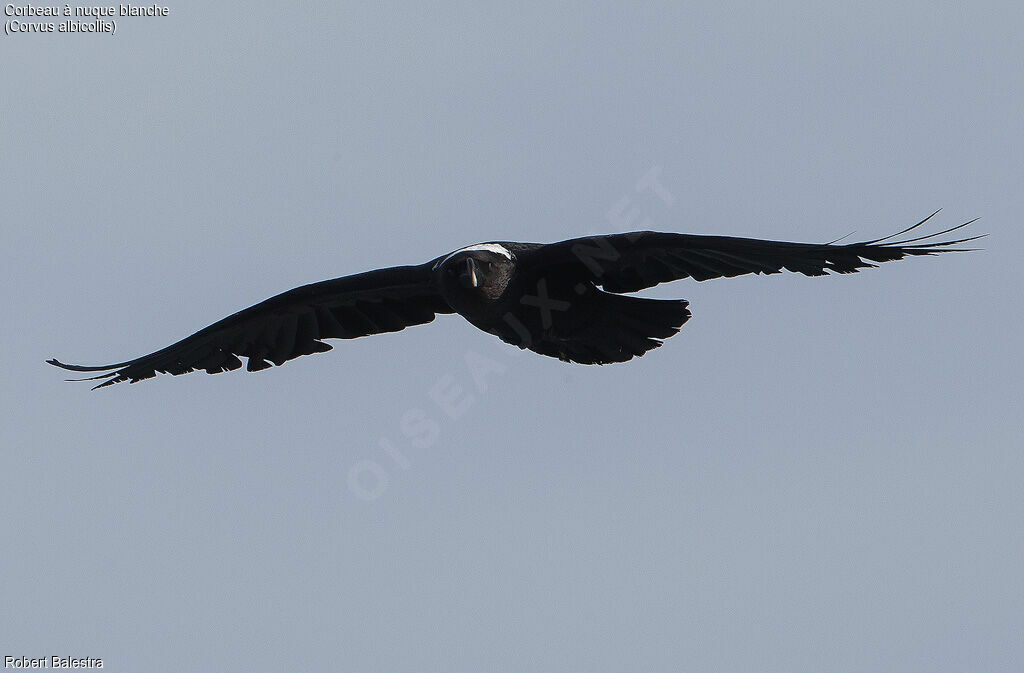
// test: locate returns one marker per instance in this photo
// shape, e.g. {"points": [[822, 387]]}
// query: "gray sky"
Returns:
{"points": [[815, 474]]}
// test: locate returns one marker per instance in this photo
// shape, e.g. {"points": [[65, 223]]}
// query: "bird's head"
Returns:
{"points": [[481, 271]]}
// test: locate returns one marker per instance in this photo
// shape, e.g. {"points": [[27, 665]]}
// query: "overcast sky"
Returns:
{"points": [[816, 474]]}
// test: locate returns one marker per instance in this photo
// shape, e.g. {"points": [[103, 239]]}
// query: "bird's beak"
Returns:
{"points": [[470, 276]]}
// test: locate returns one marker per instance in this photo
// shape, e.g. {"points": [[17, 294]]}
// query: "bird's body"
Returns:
{"points": [[561, 299], [555, 310]]}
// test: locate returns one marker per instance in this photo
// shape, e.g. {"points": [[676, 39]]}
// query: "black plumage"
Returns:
{"points": [[561, 299]]}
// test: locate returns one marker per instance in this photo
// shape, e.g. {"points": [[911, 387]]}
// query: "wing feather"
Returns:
{"points": [[290, 325], [638, 260]]}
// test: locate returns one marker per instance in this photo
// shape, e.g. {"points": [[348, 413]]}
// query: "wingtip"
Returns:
{"points": [[63, 365], [900, 233], [110, 376], [83, 368]]}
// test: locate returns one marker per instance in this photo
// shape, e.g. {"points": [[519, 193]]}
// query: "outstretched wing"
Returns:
{"points": [[638, 260], [292, 324]]}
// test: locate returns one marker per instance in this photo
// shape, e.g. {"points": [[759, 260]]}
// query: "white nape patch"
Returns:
{"points": [[496, 248], [489, 247]]}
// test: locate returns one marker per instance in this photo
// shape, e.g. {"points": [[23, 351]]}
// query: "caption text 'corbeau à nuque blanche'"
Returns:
{"points": [[92, 19]]}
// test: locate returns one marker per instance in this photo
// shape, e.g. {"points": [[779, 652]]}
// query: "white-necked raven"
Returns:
{"points": [[560, 299]]}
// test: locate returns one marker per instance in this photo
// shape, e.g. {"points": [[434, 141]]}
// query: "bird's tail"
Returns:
{"points": [[620, 329]]}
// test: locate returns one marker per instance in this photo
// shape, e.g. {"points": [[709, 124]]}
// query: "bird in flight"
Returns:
{"points": [[565, 300]]}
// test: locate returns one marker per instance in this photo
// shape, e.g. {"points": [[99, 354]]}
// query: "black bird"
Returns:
{"points": [[561, 299]]}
